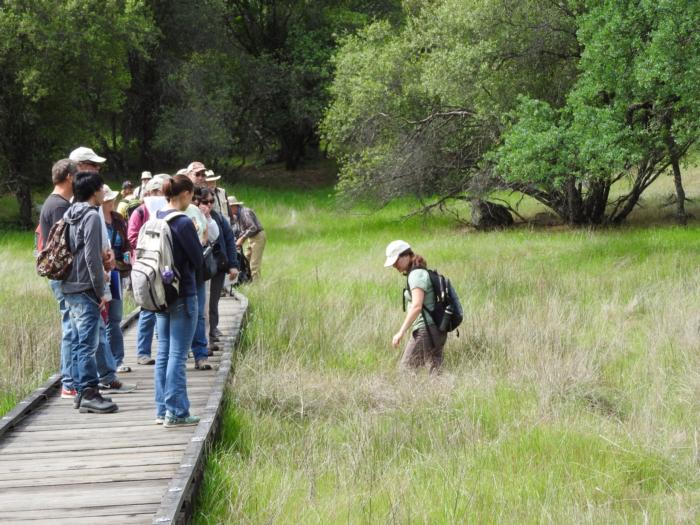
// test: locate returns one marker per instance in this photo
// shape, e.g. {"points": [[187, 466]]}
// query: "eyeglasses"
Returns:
{"points": [[200, 174], [206, 202]]}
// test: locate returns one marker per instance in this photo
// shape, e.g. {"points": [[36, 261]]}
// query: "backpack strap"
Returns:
{"points": [[424, 308]]}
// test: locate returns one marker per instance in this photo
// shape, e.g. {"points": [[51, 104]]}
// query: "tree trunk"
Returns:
{"points": [[24, 198], [681, 215]]}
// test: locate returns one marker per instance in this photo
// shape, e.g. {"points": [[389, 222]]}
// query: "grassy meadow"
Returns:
{"points": [[570, 395]]}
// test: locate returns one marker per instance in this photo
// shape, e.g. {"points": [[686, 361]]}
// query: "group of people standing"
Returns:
{"points": [[103, 241]]}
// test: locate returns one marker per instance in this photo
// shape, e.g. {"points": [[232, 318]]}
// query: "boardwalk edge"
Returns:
{"points": [[43, 392], [177, 503]]}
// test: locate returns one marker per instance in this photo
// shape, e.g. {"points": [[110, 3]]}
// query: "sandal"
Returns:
{"points": [[123, 369]]}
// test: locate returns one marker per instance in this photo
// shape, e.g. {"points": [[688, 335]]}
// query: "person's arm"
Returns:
{"points": [[417, 297], [230, 240], [190, 242], [93, 252]]}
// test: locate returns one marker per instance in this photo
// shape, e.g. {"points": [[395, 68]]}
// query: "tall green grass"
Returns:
{"points": [[569, 396]]}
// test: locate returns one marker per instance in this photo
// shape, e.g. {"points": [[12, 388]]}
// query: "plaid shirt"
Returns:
{"points": [[246, 223]]}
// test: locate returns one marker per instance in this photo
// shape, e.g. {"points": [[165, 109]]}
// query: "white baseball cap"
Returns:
{"points": [[393, 250], [83, 154]]}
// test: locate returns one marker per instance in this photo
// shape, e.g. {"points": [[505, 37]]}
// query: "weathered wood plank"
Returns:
{"points": [[60, 466], [92, 512]]}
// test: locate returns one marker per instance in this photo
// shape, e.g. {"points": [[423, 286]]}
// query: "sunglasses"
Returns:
{"points": [[206, 202]]}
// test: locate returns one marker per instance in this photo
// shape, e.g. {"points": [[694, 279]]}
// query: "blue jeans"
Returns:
{"points": [[144, 338], [85, 322], [175, 330], [66, 336], [199, 342], [114, 331], [106, 366]]}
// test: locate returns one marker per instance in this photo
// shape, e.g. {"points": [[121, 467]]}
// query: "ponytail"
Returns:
{"points": [[174, 186], [418, 262]]}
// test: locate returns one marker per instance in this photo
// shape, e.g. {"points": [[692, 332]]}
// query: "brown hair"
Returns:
{"points": [[61, 169], [417, 260], [176, 185]]}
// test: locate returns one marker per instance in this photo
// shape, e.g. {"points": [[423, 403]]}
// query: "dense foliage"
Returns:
{"points": [[557, 100], [580, 104], [152, 84]]}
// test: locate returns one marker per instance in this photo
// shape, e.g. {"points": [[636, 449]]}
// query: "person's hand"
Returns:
{"points": [[239, 242], [233, 274], [103, 303], [396, 340], [108, 260]]}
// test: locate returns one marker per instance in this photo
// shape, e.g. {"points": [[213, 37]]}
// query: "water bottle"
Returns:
{"points": [[167, 274], [446, 318]]}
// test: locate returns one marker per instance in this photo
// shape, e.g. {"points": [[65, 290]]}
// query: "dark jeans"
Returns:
{"points": [[217, 284]]}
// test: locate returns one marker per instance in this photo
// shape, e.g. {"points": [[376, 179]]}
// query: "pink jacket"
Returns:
{"points": [[137, 219]]}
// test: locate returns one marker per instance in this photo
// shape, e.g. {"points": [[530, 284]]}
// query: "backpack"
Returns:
{"points": [[154, 261], [131, 207], [55, 258], [445, 296]]}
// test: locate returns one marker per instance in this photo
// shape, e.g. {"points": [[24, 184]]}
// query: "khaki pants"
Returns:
{"points": [[254, 252], [420, 351]]}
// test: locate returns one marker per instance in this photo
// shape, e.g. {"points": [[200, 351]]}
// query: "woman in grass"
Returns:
{"points": [[426, 342], [176, 325]]}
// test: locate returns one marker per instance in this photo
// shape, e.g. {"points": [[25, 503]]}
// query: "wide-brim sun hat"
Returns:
{"points": [[210, 176], [146, 175], [83, 154], [233, 201], [393, 250], [109, 194]]}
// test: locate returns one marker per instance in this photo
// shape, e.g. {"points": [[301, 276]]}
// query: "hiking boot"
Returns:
{"points": [[78, 398], [68, 393], [117, 387], [174, 422], [202, 364], [146, 360], [214, 347], [93, 402]]}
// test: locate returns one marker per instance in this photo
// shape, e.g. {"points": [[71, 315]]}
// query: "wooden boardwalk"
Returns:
{"points": [[60, 466]]}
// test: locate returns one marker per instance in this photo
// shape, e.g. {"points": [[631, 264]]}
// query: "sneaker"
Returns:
{"points": [[214, 347], [202, 364], [123, 369], [92, 402], [146, 360], [117, 387], [174, 422], [160, 420], [68, 393]]}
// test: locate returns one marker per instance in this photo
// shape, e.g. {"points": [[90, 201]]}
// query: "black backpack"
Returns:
{"points": [[445, 297]]}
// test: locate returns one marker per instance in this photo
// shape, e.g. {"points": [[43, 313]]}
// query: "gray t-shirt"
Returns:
{"points": [[421, 279]]}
